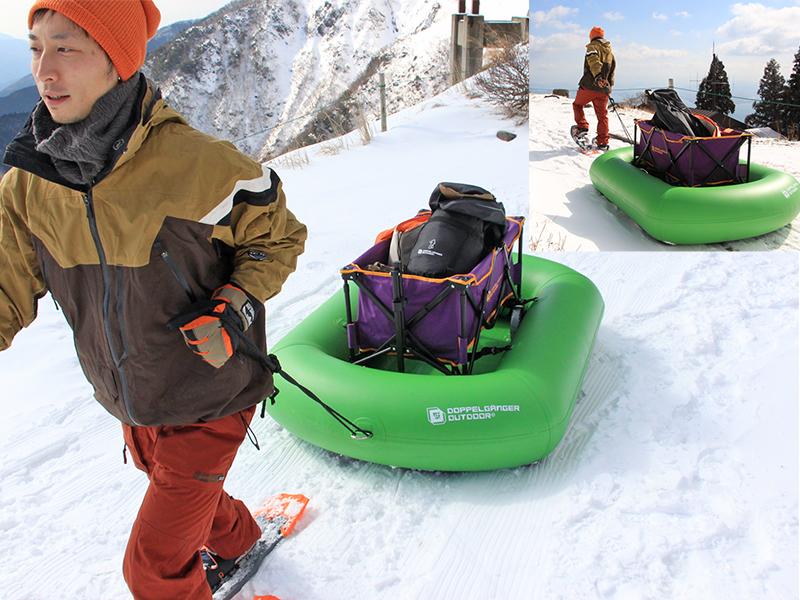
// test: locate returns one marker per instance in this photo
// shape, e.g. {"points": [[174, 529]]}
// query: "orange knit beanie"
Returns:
{"points": [[596, 33], [121, 27]]}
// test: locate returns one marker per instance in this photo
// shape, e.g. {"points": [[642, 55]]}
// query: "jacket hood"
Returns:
{"points": [[152, 112]]}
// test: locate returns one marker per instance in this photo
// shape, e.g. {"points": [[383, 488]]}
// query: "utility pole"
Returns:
{"points": [[382, 88]]}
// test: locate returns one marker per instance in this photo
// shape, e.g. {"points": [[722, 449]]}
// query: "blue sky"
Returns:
{"points": [[654, 43]]}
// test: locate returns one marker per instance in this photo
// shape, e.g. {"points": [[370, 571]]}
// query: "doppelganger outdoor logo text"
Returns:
{"points": [[437, 416]]}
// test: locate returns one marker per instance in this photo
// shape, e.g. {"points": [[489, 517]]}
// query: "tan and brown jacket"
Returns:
{"points": [[599, 60], [176, 215]]}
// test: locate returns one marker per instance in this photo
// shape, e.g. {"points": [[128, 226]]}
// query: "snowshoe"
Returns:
{"points": [[599, 147], [276, 518], [581, 137]]}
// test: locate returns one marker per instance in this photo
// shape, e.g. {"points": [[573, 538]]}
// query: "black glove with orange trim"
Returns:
{"points": [[601, 81], [212, 328]]}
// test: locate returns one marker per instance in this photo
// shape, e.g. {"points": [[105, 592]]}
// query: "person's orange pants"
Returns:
{"points": [[600, 102], [185, 507]]}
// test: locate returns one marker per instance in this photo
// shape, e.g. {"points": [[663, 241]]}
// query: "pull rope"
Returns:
{"points": [[270, 362], [251, 435]]}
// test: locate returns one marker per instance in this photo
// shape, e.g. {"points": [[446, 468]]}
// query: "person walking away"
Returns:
{"points": [[595, 87], [132, 220]]}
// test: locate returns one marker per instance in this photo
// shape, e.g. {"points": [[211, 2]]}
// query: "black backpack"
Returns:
{"points": [[466, 223], [673, 115]]}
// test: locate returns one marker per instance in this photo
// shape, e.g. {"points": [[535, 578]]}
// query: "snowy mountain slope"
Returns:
{"points": [[16, 59], [258, 66], [568, 210]]}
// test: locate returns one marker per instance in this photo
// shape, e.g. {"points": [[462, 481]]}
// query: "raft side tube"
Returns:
{"points": [[513, 415]]}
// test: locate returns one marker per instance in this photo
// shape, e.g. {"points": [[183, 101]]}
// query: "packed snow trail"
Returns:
{"points": [[567, 211], [691, 482]]}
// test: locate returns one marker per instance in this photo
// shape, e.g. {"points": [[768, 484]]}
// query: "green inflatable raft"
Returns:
{"points": [[513, 410], [697, 215]]}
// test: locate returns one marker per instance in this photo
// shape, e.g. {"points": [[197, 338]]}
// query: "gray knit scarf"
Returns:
{"points": [[80, 150]]}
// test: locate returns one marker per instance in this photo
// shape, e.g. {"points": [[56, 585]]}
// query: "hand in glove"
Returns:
{"points": [[601, 81], [204, 328]]}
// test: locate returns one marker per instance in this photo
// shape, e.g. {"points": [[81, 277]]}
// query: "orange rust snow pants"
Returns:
{"points": [[185, 507], [600, 102]]}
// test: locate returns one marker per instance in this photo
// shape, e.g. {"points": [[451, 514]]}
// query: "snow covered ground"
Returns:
{"points": [[567, 212], [677, 478]]}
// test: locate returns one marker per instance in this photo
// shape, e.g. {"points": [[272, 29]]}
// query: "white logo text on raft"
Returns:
{"points": [[437, 416]]}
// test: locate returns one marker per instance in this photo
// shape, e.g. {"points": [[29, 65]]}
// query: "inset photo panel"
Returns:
{"points": [[664, 130]]}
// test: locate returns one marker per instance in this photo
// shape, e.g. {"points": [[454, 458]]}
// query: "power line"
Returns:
{"points": [[548, 90]]}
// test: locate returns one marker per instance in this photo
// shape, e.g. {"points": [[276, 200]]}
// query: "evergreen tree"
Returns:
{"points": [[792, 94], [715, 91], [770, 111]]}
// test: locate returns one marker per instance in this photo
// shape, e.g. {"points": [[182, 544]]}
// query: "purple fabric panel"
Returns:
{"points": [[692, 166], [695, 166], [437, 332], [440, 331]]}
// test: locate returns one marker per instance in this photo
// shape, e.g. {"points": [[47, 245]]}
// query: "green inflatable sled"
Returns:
{"points": [[513, 409], [697, 215]]}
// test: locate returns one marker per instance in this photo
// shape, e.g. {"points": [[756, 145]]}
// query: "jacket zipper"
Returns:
{"points": [[90, 215], [176, 271]]}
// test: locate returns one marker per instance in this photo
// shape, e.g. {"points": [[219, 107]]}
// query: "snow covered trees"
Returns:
{"points": [[779, 106], [769, 112], [715, 90]]}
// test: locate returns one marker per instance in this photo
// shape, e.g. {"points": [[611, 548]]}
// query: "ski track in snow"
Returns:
{"points": [[677, 476], [567, 212], [677, 500]]}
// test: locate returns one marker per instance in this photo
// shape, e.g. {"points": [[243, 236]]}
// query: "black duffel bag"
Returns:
{"points": [[466, 223]]}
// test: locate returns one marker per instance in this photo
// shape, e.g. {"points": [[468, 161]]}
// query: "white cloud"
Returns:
{"points": [[554, 18], [675, 32], [558, 42], [639, 52], [761, 30], [617, 16], [660, 17], [751, 46], [683, 14]]}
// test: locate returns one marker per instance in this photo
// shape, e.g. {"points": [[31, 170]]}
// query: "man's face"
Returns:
{"points": [[70, 68]]}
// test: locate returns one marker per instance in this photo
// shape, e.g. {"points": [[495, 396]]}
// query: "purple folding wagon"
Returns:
{"points": [[691, 161], [438, 321]]}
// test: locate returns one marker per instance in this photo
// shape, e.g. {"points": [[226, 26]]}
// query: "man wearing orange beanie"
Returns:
{"points": [[595, 87], [135, 223]]}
